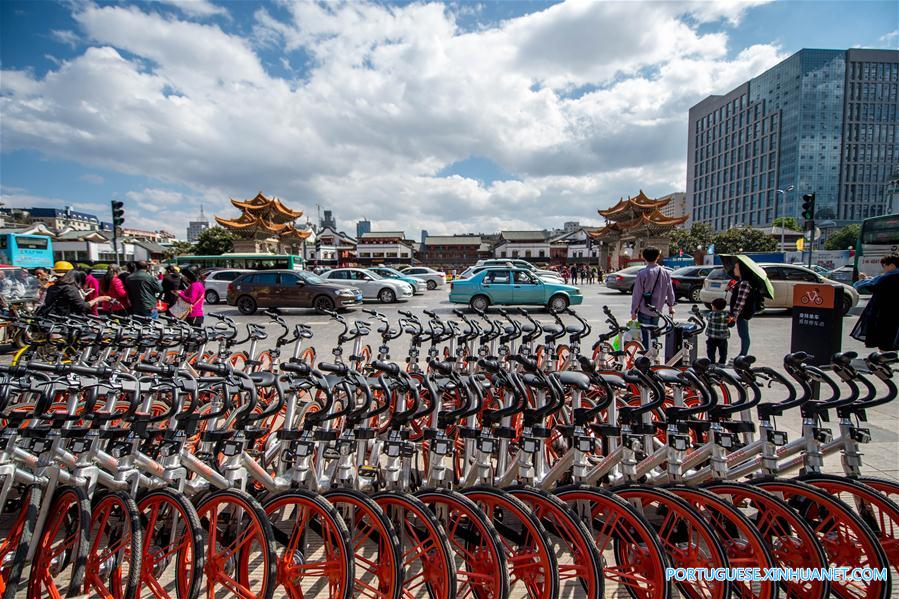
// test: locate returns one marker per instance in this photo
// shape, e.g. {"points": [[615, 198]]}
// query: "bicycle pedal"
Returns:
{"points": [[860, 435], [777, 438]]}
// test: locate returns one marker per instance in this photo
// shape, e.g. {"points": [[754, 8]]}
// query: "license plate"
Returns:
{"points": [[715, 285]]}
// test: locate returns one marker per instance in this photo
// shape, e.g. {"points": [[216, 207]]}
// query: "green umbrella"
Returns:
{"points": [[750, 271]]}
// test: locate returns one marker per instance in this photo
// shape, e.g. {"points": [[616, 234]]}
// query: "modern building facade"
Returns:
{"points": [[822, 121], [195, 227], [677, 206], [362, 227]]}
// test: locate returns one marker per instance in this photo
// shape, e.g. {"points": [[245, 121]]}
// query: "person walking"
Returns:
{"points": [[878, 325], [143, 290], [92, 284], [111, 285], [172, 282], [742, 309], [66, 296], [717, 331], [566, 274], [194, 295], [574, 274], [652, 288]]}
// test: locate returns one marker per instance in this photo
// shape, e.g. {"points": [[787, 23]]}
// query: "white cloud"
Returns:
{"points": [[64, 36], [583, 102], [196, 8], [891, 38]]}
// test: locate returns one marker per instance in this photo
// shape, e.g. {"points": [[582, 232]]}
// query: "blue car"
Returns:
{"points": [[418, 286], [512, 286]]}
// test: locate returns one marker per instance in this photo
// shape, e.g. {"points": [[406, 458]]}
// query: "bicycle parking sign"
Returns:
{"points": [[817, 320]]}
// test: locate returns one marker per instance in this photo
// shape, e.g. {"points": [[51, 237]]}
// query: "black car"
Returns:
{"points": [[688, 281]]}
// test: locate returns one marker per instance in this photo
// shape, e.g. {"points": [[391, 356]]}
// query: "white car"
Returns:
{"points": [[217, 282], [372, 285], [783, 278], [432, 278], [473, 270], [519, 263]]}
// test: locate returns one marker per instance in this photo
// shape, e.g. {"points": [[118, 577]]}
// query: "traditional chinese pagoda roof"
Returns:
{"points": [[631, 208], [650, 224], [263, 217]]}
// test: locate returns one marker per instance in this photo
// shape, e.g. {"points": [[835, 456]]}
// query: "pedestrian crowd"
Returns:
{"points": [[135, 289], [580, 273]]}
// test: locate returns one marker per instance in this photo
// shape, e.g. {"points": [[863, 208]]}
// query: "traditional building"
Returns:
{"points": [[631, 225], [384, 247], [332, 249], [453, 252], [265, 225], [575, 246], [528, 245]]}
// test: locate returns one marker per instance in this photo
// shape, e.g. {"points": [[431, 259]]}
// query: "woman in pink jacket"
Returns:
{"points": [[111, 285], [193, 295]]}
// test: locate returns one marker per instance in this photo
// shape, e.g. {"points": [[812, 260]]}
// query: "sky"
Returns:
{"points": [[450, 117]]}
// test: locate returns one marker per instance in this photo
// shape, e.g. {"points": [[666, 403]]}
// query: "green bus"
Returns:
{"points": [[243, 261], [878, 237]]}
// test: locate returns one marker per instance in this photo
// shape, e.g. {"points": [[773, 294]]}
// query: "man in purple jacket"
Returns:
{"points": [[652, 288]]}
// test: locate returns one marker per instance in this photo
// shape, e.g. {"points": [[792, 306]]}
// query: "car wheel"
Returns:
{"points": [[246, 305], [624, 291], [847, 304], [323, 304], [557, 303], [387, 296], [212, 297], [694, 295], [479, 303], [432, 285]]}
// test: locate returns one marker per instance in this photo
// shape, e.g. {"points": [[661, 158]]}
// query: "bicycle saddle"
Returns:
{"points": [[574, 379], [553, 329], [263, 378], [669, 376]]}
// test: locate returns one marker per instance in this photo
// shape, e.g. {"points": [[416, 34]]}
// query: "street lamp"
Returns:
{"points": [[784, 192]]}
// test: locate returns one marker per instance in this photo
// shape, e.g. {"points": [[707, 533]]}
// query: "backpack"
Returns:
{"points": [[755, 303]]}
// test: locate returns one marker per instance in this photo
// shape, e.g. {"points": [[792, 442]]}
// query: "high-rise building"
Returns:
{"points": [[363, 227], [328, 221], [424, 235], [823, 121], [195, 227]]}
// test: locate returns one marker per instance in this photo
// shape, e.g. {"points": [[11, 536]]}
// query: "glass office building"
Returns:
{"points": [[823, 121]]}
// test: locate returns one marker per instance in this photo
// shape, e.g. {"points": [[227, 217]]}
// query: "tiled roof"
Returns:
{"points": [[453, 240], [524, 235]]}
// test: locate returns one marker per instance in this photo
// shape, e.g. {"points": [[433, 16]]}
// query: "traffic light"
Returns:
{"points": [[808, 206], [118, 213]]}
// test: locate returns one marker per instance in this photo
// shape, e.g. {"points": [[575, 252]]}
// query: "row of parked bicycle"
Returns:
{"points": [[154, 459]]}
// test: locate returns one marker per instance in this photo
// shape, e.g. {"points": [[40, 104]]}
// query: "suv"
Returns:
{"points": [[783, 278], [289, 289], [217, 281]]}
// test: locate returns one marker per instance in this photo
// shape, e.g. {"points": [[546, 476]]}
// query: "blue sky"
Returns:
{"points": [[448, 117]]}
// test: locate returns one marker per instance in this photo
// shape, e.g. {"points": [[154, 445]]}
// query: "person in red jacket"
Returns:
{"points": [[111, 285]]}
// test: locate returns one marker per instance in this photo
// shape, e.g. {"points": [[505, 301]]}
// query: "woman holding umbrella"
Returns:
{"points": [[746, 295]]}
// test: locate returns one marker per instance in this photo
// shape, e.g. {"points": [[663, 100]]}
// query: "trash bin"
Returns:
{"points": [[674, 341]]}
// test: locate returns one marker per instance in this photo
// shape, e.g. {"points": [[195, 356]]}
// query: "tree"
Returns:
{"points": [[843, 238], [689, 241], [787, 222], [179, 248], [214, 241], [740, 240]]}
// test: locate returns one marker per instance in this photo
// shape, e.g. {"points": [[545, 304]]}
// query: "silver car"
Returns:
{"points": [[372, 285], [519, 263], [217, 282], [783, 278], [432, 278]]}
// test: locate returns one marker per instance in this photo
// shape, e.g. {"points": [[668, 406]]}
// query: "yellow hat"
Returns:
{"points": [[63, 266]]}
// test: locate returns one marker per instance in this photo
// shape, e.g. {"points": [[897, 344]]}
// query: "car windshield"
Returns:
{"points": [[719, 274], [373, 275], [17, 284], [311, 278]]}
